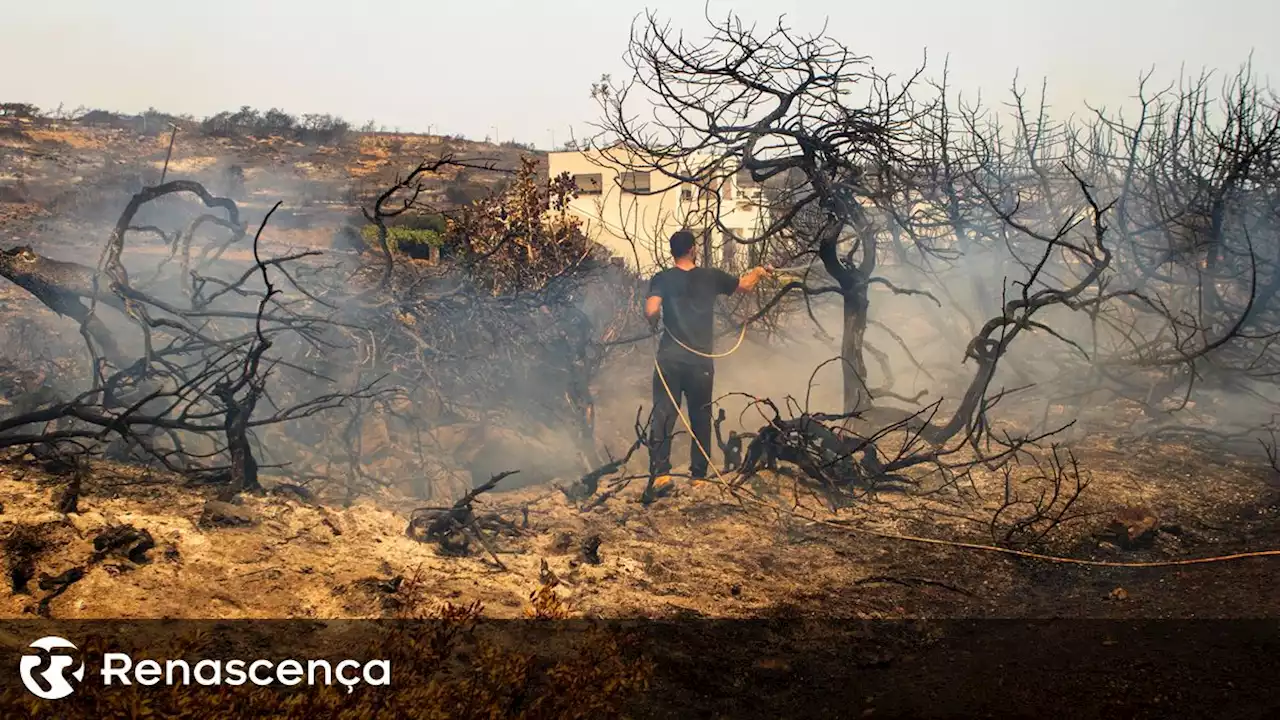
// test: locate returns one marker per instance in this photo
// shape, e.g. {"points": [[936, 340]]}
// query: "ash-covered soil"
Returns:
{"points": [[703, 553]]}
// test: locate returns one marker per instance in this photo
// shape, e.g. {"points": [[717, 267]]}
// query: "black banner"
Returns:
{"points": [[461, 667]]}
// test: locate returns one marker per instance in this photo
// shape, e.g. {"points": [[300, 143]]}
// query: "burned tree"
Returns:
{"points": [[778, 108], [1195, 178], [887, 186], [188, 401], [1188, 307], [842, 146]]}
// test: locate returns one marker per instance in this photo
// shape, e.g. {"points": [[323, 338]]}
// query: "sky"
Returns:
{"points": [[522, 69]]}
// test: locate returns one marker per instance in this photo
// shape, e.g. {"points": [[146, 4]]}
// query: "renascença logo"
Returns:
{"points": [[45, 674]]}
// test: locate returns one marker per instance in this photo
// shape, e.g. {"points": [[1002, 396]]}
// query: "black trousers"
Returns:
{"points": [[692, 383]]}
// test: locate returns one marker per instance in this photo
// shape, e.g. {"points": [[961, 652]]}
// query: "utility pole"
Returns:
{"points": [[172, 136]]}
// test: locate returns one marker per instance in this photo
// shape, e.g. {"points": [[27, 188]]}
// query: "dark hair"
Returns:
{"points": [[682, 244]]}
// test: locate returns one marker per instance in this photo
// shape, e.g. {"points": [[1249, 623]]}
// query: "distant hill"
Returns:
{"points": [[85, 169]]}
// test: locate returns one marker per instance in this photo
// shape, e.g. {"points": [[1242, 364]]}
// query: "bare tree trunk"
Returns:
{"points": [[854, 289], [854, 365]]}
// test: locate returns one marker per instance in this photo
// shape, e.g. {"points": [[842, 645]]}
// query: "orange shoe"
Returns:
{"points": [[660, 488]]}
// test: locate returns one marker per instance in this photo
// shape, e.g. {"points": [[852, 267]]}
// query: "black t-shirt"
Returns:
{"points": [[688, 309]]}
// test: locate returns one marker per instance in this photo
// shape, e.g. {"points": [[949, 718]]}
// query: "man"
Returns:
{"points": [[684, 296]]}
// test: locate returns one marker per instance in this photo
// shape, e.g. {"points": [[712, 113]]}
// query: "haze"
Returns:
{"points": [[522, 70]]}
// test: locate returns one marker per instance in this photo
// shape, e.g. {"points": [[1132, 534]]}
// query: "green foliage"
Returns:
{"points": [[20, 110], [248, 121], [405, 240], [434, 222]]}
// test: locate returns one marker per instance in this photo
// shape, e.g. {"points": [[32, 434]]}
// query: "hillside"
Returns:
{"points": [[68, 174]]}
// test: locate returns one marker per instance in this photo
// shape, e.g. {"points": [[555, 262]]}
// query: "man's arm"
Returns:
{"points": [[653, 310], [653, 303], [751, 278]]}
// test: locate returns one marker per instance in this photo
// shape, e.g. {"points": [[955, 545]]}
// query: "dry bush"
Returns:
{"points": [[523, 238]]}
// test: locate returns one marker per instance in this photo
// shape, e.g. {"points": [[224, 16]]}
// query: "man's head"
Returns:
{"points": [[682, 244]]}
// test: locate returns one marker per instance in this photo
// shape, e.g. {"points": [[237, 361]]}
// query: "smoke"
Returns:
{"points": [[467, 402], [1075, 369]]}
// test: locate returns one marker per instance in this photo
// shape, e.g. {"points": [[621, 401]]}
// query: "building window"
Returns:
{"points": [[634, 181], [686, 194], [744, 179], [589, 183]]}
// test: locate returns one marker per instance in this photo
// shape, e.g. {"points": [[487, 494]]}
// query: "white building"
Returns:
{"points": [[632, 208]]}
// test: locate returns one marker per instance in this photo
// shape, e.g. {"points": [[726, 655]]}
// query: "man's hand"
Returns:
{"points": [[748, 282]]}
